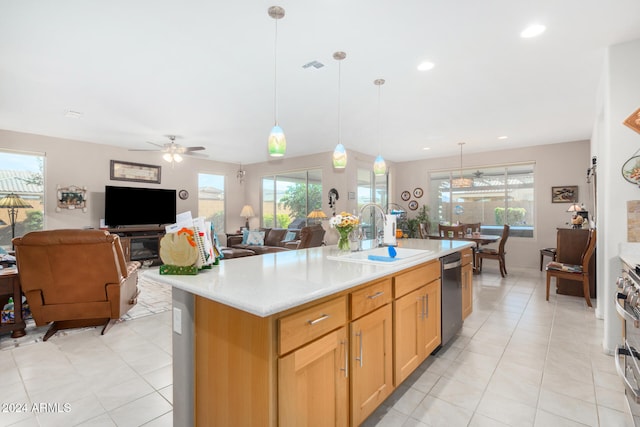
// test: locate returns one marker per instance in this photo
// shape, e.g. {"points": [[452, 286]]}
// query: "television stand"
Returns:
{"points": [[140, 243]]}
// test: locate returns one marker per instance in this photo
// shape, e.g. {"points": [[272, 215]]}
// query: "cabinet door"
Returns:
{"points": [[433, 321], [408, 333], [371, 362], [467, 290], [313, 383]]}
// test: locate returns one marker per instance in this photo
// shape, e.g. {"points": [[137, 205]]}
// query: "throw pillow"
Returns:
{"points": [[291, 235], [245, 235], [255, 238]]}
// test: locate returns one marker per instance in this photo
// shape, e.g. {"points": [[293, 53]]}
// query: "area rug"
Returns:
{"points": [[154, 298]]}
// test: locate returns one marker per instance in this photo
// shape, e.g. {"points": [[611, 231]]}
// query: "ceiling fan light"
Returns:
{"points": [[379, 166], [167, 157], [277, 142], [339, 157], [177, 158]]}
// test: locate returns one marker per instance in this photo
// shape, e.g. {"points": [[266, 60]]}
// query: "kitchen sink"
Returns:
{"points": [[380, 256]]}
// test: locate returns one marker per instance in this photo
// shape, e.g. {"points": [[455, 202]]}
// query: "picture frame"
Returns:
{"points": [[136, 172], [564, 194], [413, 205], [71, 197], [417, 192], [405, 195]]}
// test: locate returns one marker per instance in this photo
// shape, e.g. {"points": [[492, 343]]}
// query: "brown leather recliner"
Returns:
{"points": [[311, 236], [75, 278]]}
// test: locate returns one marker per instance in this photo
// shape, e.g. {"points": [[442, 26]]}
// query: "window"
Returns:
{"points": [[211, 200], [288, 198], [494, 196], [23, 175], [371, 189]]}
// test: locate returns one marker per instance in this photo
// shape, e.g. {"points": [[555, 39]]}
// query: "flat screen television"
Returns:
{"points": [[138, 206]]}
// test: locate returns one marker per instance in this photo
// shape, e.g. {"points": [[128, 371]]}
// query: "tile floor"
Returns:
{"points": [[519, 361]]}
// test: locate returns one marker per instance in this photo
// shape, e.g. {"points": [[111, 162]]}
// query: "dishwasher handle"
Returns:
{"points": [[451, 265]]}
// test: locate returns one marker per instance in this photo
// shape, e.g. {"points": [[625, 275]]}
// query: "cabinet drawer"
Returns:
{"points": [[304, 326], [413, 279], [467, 256], [368, 299]]}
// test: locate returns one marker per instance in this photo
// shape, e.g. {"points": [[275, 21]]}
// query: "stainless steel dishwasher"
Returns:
{"points": [[451, 276]]}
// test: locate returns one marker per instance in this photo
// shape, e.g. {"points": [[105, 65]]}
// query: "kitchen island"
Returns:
{"points": [[297, 338]]}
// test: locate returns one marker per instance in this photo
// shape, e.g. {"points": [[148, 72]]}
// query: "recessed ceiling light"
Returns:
{"points": [[426, 148], [503, 137], [73, 114], [426, 66], [532, 31]]}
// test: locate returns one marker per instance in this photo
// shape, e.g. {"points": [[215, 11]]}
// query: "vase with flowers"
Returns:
{"points": [[345, 223]]}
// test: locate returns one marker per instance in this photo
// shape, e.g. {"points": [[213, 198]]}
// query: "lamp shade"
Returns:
{"points": [[575, 208], [13, 201], [247, 211], [379, 166], [277, 142], [317, 213], [339, 157]]}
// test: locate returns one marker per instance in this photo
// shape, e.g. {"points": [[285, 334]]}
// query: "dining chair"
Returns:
{"points": [[575, 272], [423, 229], [497, 254], [474, 226], [456, 230]]}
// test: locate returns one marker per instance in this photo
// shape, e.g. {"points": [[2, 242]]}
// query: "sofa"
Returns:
{"points": [[270, 240], [76, 278]]}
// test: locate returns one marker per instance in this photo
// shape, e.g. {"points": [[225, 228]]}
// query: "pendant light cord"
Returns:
{"points": [[339, 102], [379, 119], [275, 76]]}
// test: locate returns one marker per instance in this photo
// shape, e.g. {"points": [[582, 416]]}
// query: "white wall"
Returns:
{"points": [[615, 144], [69, 162], [556, 164]]}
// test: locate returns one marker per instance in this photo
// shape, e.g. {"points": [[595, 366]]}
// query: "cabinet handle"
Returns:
{"points": [[343, 343], [376, 295], [359, 359], [318, 320], [426, 306]]}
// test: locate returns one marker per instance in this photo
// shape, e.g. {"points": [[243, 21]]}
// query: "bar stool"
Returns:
{"points": [[550, 252]]}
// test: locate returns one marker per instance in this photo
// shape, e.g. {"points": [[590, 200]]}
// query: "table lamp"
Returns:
{"points": [[317, 214], [247, 212]]}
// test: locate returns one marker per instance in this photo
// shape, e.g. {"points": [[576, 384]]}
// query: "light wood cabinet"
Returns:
{"points": [[467, 283], [313, 383], [417, 328], [371, 362], [417, 320], [329, 362]]}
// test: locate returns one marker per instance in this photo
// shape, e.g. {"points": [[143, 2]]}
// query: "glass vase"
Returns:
{"points": [[343, 242]]}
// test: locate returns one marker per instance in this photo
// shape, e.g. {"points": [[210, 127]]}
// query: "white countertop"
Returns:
{"points": [[629, 253], [271, 283]]}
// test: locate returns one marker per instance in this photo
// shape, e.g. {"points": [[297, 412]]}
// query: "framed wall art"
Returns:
{"points": [[138, 172], [72, 197], [564, 194], [633, 121]]}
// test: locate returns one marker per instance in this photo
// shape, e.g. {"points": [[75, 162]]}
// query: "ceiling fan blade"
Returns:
{"points": [[157, 145], [143, 149], [187, 149], [196, 155]]}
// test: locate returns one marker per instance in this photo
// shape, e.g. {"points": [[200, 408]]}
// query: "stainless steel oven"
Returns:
{"points": [[627, 355]]}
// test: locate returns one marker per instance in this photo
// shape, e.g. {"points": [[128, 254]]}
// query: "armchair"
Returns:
{"points": [[75, 278], [311, 236]]}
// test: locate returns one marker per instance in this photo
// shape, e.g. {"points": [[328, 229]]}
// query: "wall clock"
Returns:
{"points": [[413, 205], [405, 195], [183, 194], [417, 192]]}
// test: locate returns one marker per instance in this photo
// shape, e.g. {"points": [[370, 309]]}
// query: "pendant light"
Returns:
{"points": [[461, 182], [339, 154], [277, 142], [379, 166]]}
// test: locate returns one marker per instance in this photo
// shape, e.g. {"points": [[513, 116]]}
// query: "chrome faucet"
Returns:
{"points": [[378, 232]]}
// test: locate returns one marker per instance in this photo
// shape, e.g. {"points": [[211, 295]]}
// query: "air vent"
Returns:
{"points": [[314, 64]]}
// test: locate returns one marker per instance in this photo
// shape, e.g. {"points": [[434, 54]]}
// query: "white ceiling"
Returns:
{"points": [[204, 70]]}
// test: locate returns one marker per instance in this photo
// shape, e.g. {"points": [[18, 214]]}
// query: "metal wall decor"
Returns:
{"points": [[72, 197], [417, 192], [405, 195]]}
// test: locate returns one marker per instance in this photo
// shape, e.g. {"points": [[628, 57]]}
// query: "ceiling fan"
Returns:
{"points": [[173, 152]]}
